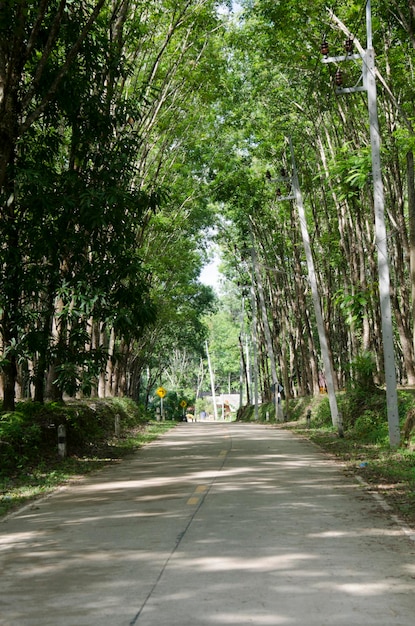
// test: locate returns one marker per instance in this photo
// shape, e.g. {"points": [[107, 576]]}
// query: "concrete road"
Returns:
{"points": [[213, 525]]}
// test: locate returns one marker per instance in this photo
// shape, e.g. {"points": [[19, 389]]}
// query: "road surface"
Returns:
{"points": [[213, 524]]}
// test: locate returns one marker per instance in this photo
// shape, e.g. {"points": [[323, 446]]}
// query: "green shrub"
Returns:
{"points": [[246, 413], [297, 408], [130, 411], [371, 427], [321, 415], [266, 410], [355, 401], [363, 367], [406, 403], [20, 439], [30, 433]]}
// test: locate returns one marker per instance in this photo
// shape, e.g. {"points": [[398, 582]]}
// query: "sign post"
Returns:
{"points": [[161, 392]]}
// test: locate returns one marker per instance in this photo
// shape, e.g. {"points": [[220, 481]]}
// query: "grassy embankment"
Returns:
{"points": [[29, 462]]}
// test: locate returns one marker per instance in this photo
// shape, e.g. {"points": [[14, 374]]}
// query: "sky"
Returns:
{"points": [[210, 274]]}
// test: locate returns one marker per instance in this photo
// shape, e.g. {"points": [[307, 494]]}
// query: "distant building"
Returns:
{"points": [[226, 403]]}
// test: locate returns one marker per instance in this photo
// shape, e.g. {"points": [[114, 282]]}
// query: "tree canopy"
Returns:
{"points": [[129, 129]]}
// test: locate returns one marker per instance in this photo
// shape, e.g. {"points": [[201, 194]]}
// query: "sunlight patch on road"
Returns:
{"points": [[247, 618], [366, 532], [259, 564]]}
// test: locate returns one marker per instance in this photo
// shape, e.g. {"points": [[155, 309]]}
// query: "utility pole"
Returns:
{"points": [[248, 370], [369, 85], [242, 368]]}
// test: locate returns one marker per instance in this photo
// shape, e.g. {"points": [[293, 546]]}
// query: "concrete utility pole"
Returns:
{"points": [[328, 370], [369, 85]]}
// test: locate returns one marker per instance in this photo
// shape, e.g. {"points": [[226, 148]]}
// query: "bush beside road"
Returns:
{"points": [[30, 465]]}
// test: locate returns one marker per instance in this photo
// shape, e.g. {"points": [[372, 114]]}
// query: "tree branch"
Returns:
{"points": [[61, 74]]}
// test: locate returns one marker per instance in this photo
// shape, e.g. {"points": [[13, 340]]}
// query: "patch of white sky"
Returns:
{"points": [[210, 274], [229, 7]]}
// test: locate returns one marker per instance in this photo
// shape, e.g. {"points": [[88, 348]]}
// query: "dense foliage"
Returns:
{"points": [[129, 128], [100, 214], [279, 89]]}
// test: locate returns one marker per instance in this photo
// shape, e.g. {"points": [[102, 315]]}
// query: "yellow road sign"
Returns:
{"points": [[161, 392], [183, 404]]}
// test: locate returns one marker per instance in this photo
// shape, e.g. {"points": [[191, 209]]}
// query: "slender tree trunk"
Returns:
{"points": [[11, 312], [406, 345], [9, 383], [41, 364], [244, 370], [411, 215], [40, 371], [58, 339], [109, 382]]}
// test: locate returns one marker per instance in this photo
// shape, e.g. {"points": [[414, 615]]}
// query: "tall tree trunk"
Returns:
{"points": [[58, 339], [411, 216], [245, 376], [11, 311], [109, 374], [9, 383], [41, 364]]}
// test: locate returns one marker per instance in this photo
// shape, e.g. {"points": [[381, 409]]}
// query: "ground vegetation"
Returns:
{"points": [[31, 465]]}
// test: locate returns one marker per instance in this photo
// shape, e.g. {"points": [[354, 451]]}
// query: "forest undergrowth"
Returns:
{"points": [[30, 466]]}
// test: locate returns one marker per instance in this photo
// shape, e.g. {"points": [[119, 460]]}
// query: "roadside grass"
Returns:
{"points": [[39, 478]]}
